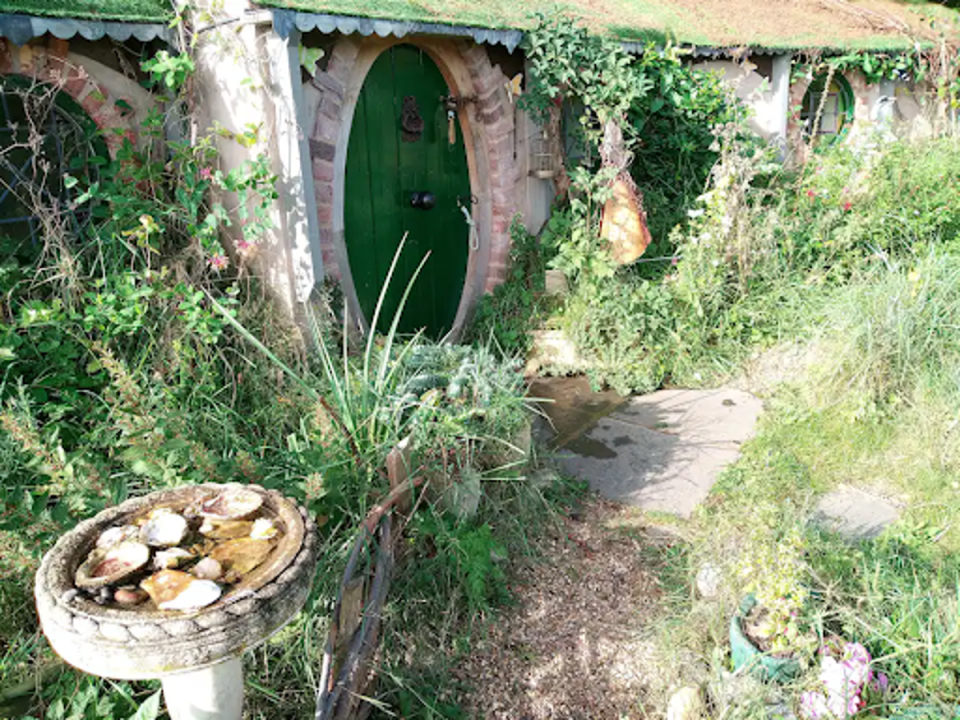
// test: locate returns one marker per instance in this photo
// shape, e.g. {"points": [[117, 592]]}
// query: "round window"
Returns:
{"points": [[827, 109], [44, 136]]}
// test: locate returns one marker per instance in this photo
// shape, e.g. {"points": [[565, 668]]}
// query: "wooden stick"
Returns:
{"points": [[395, 496]]}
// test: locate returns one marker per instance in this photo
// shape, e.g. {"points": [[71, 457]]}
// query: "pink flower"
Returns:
{"points": [[857, 659], [813, 705], [847, 205], [811, 194], [218, 262], [244, 246], [880, 683], [844, 672], [844, 706], [206, 173]]}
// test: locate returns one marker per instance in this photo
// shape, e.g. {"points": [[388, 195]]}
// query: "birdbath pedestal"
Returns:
{"points": [[195, 653]]}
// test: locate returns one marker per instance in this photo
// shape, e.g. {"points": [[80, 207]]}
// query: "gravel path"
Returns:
{"points": [[578, 643]]}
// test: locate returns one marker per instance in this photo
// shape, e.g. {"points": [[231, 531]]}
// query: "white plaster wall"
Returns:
{"points": [[244, 79], [754, 90], [534, 195], [914, 111], [909, 102], [311, 100]]}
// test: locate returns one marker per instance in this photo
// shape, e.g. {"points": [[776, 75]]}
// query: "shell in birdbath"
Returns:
{"points": [[175, 590], [171, 558], [208, 569], [117, 535], [234, 503], [105, 566], [263, 529], [198, 616], [163, 528], [220, 538], [129, 596], [226, 530], [240, 556]]}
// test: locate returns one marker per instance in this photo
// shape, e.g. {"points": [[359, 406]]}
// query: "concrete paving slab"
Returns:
{"points": [[855, 514], [661, 451]]}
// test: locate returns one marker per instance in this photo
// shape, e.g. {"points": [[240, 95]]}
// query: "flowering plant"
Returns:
{"points": [[775, 573], [846, 679]]}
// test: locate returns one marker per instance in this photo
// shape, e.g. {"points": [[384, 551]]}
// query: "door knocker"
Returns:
{"points": [[411, 124]]}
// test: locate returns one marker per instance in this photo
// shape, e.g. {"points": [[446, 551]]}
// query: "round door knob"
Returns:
{"points": [[423, 200]]}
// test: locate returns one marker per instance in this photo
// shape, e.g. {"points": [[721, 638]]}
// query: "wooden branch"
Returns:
{"points": [[396, 496], [344, 674], [358, 659]]}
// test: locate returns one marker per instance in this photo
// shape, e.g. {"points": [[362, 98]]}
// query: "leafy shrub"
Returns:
{"points": [[675, 122], [466, 558], [623, 329], [506, 316]]}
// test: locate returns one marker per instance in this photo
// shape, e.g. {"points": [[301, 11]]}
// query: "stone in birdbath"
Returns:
{"points": [[114, 631]]}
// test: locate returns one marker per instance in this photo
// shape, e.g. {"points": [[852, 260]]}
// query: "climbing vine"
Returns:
{"points": [[882, 66], [663, 109], [569, 64], [641, 122]]}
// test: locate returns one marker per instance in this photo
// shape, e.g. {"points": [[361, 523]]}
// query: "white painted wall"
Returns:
{"points": [[534, 195], [768, 98], [753, 89], [248, 76], [780, 100]]}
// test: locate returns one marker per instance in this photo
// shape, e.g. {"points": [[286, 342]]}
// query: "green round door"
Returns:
{"points": [[407, 173]]}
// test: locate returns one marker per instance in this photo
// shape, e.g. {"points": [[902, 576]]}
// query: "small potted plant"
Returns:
{"points": [[768, 633]]}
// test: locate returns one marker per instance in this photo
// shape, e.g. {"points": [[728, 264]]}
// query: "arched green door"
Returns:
{"points": [[400, 146]]}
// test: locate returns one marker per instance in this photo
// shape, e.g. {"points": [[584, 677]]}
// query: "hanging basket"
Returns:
{"points": [[624, 223]]}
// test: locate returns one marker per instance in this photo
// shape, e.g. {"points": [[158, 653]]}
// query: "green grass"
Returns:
{"points": [[807, 25], [874, 404], [896, 595], [121, 10]]}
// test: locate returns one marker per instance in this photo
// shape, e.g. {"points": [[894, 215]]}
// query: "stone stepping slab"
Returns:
{"points": [[855, 514], [660, 452]]}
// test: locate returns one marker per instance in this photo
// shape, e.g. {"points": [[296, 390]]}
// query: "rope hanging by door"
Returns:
{"points": [[474, 235]]}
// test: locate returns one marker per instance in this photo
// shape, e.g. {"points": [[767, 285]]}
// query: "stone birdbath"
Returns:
{"points": [[175, 586]]}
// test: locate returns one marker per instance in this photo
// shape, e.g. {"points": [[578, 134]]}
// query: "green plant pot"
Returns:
{"points": [[749, 656]]}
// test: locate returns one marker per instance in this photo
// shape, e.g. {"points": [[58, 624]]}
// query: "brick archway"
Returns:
{"points": [[488, 130], [49, 65]]}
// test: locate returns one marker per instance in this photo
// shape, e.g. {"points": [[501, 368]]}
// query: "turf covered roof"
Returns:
{"points": [[793, 24], [115, 10]]}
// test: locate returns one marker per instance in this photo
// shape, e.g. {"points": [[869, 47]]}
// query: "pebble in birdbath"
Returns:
{"points": [[182, 557]]}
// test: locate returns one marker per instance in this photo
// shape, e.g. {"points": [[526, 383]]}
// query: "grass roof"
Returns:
{"points": [[119, 10], [787, 24]]}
